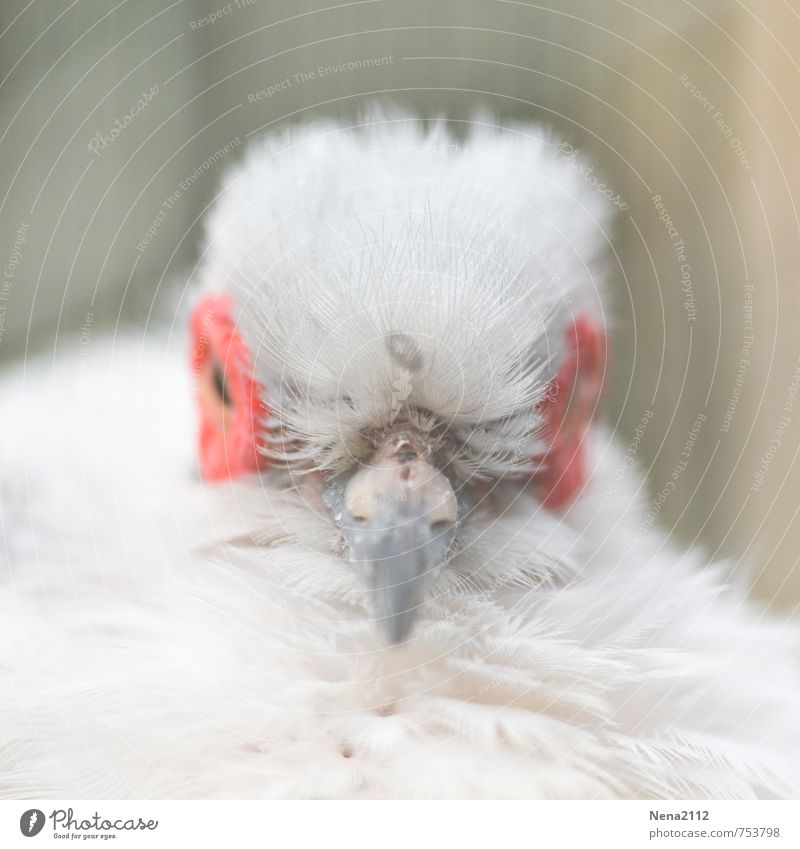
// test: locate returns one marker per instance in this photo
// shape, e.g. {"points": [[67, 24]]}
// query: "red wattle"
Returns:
{"points": [[567, 409], [229, 435]]}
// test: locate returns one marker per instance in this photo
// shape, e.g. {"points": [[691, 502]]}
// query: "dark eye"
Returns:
{"points": [[220, 386]]}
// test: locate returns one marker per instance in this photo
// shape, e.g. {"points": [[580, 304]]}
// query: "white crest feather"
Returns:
{"points": [[337, 241]]}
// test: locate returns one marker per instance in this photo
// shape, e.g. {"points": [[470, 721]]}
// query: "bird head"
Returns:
{"points": [[384, 334]]}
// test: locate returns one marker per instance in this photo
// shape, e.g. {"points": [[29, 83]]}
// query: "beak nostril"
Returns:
{"points": [[441, 525]]}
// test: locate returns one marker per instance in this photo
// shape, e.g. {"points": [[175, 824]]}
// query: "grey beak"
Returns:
{"points": [[397, 583], [399, 519]]}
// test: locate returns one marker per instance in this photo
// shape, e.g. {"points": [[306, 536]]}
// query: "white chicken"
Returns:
{"points": [[414, 568]]}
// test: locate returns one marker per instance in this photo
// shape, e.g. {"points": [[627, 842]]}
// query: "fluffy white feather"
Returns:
{"points": [[337, 239], [164, 638]]}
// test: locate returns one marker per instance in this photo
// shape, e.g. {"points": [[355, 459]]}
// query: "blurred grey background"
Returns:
{"points": [[112, 116]]}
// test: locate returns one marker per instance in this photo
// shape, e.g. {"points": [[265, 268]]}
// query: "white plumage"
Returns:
{"points": [[163, 637]]}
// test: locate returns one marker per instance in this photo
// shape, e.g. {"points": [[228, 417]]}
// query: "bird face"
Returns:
{"points": [[404, 327]]}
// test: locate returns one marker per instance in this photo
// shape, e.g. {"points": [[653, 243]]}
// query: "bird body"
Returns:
{"points": [[164, 636]]}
